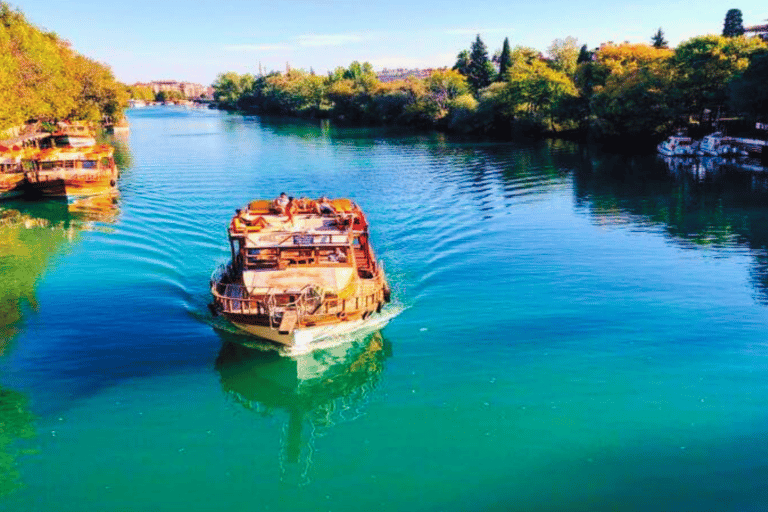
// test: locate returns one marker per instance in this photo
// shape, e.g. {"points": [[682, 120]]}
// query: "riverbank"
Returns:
{"points": [[621, 93]]}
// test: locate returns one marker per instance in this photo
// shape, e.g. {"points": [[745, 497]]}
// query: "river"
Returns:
{"points": [[577, 331]]}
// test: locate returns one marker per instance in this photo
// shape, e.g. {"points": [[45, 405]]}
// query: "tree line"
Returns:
{"points": [[626, 91], [42, 78]]}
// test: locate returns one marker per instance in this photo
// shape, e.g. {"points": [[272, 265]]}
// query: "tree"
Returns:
{"points": [[532, 92], [480, 67], [462, 62], [658, 40], [705, 65], [564, 54], [505, 61], [733, 24], [584, 55], [229, 88], [747, 93]]}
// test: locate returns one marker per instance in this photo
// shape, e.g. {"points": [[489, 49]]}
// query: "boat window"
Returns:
{"points": [[89, 164], [47, 165]]}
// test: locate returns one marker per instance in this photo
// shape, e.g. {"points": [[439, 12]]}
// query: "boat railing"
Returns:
{"points": [[274, 304]]}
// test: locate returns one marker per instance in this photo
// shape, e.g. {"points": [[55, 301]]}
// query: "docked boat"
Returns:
{"points": [[677, 145], [716, 144], [70, 172], [712, 144], [303, 276], [11, 174], [71, 135]]}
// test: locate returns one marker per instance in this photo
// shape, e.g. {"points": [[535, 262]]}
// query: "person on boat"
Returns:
{"points": [[324, 206], [290, 209], [280, 203], [338, 256]]}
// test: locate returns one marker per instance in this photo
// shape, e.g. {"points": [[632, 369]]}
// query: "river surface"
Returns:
{"points": [[577, 331]]}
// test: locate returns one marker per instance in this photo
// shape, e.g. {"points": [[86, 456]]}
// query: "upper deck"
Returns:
{"points": [[261, 225]]}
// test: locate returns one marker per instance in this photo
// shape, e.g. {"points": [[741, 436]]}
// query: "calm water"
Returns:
{"points": [[580, 331]]}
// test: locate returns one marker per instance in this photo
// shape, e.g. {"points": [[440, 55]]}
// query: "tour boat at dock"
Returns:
{"points": [[70, 172], [11, 174], [301, 276]]}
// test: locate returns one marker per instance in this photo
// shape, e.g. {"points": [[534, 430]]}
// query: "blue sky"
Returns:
{"points": [[147, 40]]}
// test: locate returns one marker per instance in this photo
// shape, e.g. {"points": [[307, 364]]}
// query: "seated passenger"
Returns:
{"points": [[280, 203], [324, 207], [337, 256]]}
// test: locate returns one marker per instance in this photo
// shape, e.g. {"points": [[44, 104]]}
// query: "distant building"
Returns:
{"points": [[390, 75], [188, 89], [759, 30]]}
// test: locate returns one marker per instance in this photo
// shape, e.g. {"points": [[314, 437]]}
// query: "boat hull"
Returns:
{"points": [[70, 188], [305, 336]]}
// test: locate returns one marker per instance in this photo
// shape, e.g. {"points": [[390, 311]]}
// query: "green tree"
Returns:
{"points": [[505, 61], [705, 65], [462, 62], [533, 91], [658, 41], [584, 55], [169, 96], [747, 93], [733, 26], [564, 54], [630, 89], [42, 78], [477, 68], [230, 88]]}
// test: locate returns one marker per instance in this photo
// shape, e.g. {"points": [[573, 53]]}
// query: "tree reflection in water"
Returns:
{"points": [[31, 234], [697, 202], [317, 390]]}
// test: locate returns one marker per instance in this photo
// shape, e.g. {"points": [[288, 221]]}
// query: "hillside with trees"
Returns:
{"points": [[42, 78]]}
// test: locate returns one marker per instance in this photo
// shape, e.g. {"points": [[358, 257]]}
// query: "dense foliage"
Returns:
{"points": [[41, 78], [626, 91]]}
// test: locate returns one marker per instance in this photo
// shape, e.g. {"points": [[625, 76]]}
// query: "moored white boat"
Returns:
{"points": [[677, 146]]}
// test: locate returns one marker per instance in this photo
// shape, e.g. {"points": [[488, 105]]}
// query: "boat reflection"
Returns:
{"points": [[316, 390]]}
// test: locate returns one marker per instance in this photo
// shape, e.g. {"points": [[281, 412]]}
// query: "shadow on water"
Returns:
{"points": [[316, 390], [697, 204]]}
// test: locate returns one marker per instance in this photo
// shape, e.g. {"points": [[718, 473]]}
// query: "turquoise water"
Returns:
{"points": [[579, 331]]}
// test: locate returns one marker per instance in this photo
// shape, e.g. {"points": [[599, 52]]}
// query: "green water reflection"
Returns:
{"points": [[315, 390], [32, 235], [695, 204], [16, 422]]}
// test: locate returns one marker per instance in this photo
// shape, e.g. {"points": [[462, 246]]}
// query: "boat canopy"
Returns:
{"points": [[332, 280]]}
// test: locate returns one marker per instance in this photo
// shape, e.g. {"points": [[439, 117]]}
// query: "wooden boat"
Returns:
{"points": [[73, 135], [70, 172], [11, 173], [299, 278]]}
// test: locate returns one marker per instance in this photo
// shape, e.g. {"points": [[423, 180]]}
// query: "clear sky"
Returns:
{"points": [[145, 40]]}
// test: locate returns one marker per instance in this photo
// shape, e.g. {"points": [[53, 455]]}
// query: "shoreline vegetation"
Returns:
{"points": [[42, 80], [628, 94]]}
